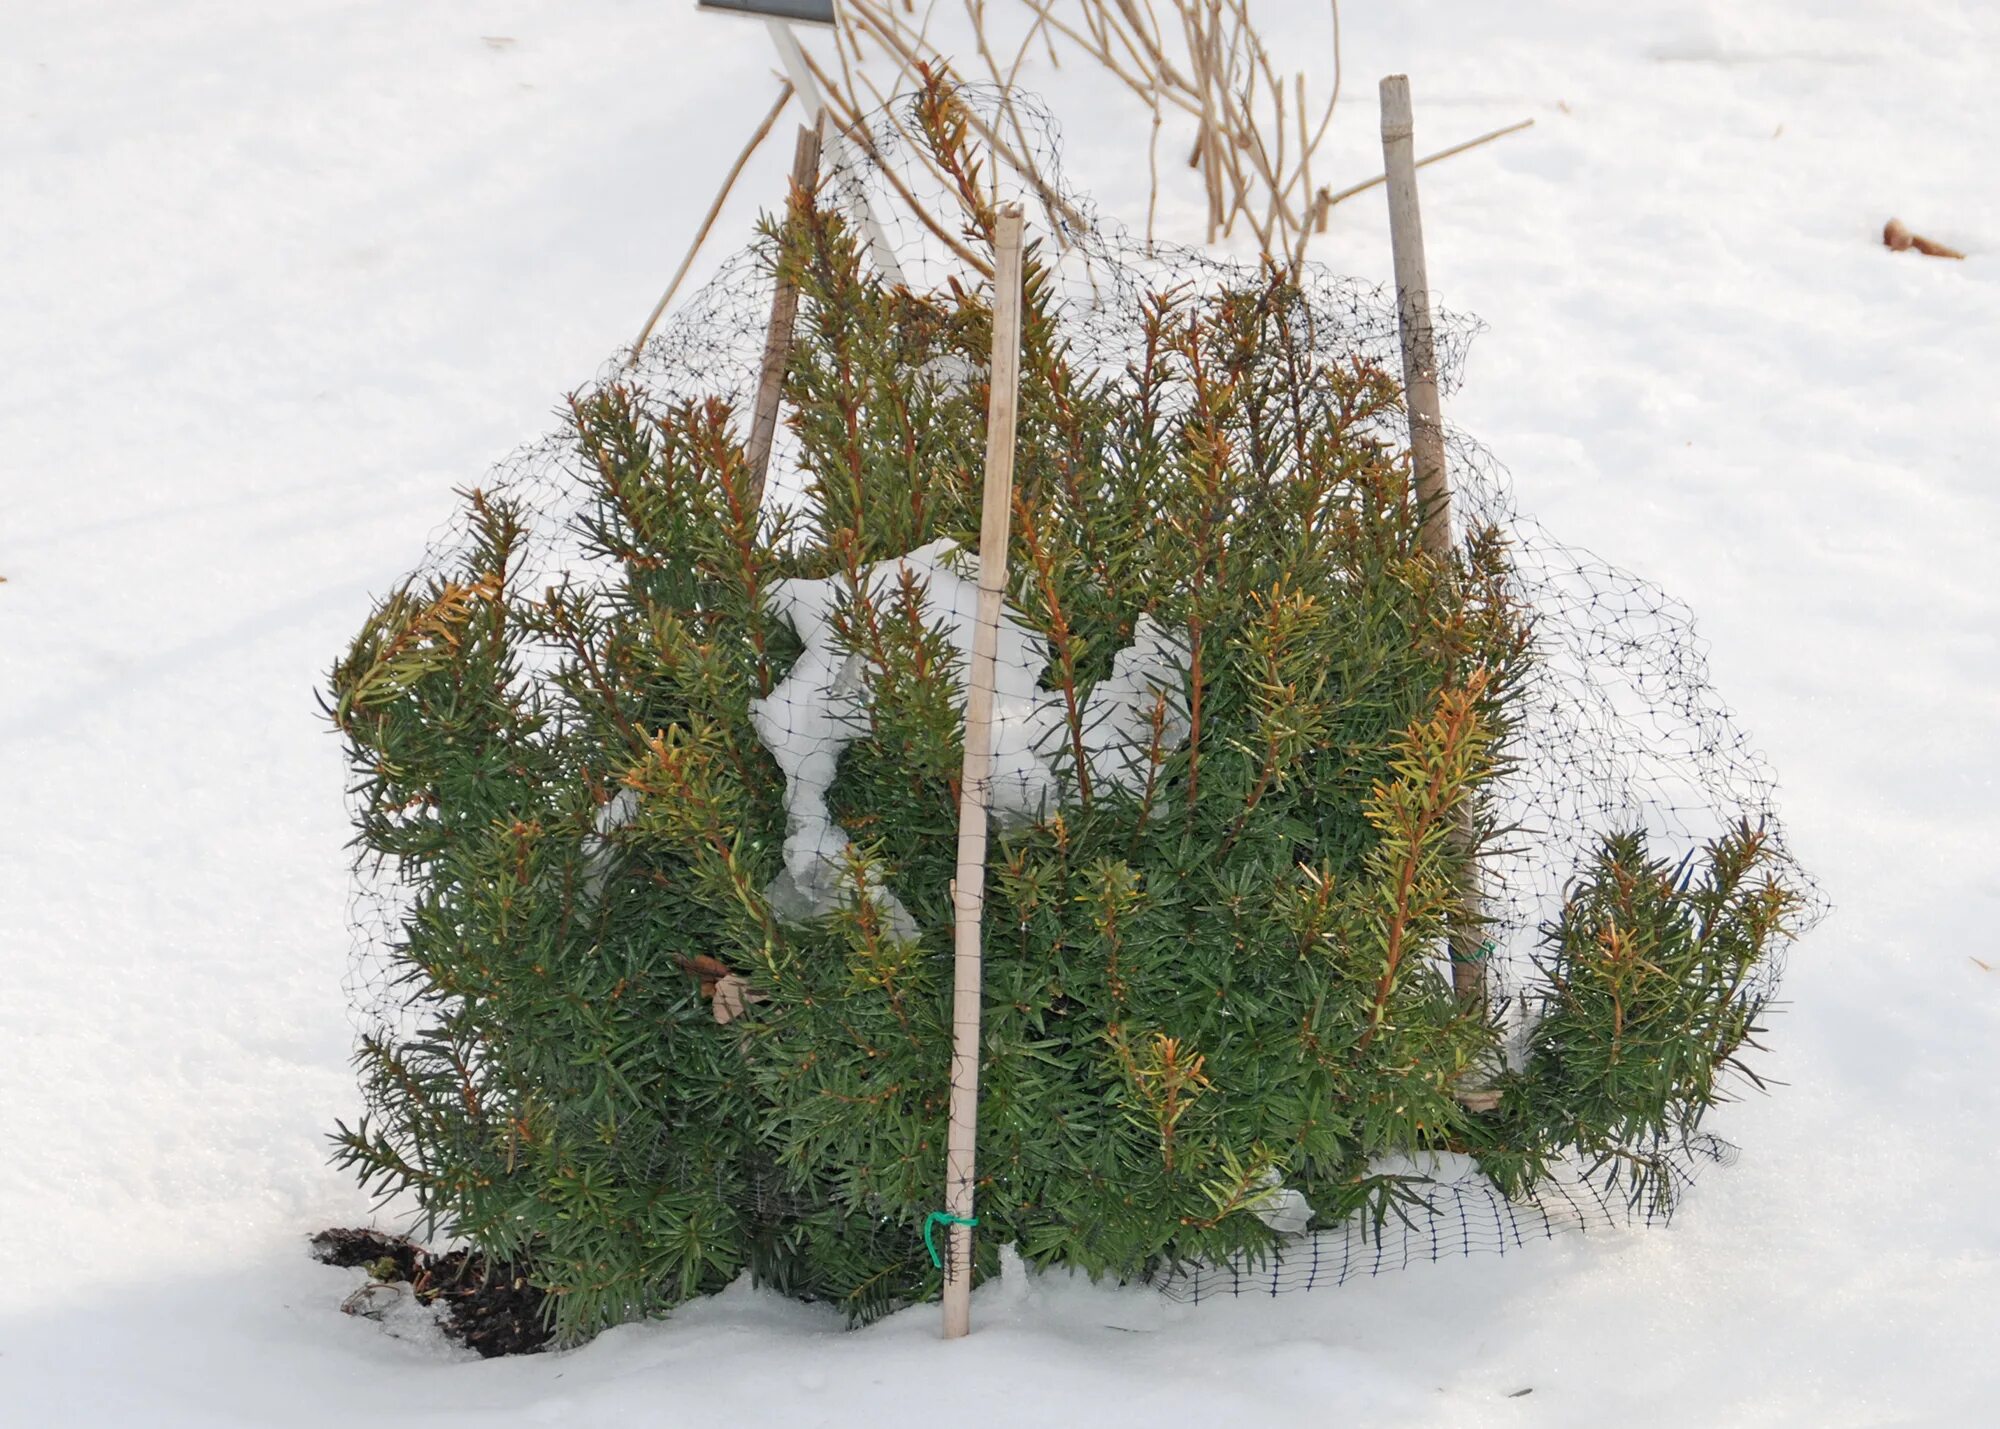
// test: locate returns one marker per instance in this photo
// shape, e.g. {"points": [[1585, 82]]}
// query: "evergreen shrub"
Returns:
{"points": [[1210, 990]]}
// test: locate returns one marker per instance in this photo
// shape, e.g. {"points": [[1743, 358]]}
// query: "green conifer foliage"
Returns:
{"points": [[1225, 980], [1654, 978]]}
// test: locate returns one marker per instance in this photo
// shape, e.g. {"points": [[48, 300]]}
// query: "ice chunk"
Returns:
{"points": [[1278, 1206], [598, 850]]}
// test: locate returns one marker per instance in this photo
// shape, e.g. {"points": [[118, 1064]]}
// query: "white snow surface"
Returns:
{"points": [[275, 277]]}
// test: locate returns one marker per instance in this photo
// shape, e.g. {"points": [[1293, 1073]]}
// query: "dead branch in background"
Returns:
{"points": [[1256, 131], [1328, 200], [1255, 136]]}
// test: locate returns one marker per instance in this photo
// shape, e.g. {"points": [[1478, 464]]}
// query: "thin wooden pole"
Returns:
{"points": [[969, 888], [1413, 312], [778, 338]]}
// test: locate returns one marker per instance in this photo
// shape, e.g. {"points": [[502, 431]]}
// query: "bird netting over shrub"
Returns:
{"points": [[656, 786]]}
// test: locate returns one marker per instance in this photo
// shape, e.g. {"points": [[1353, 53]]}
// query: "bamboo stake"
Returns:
{"points": [[701, 234], [969, 888], [778, 338], [1413, 312]]}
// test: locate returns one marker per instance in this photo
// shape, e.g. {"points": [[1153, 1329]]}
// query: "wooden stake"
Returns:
{"points": [[1413, 312], [778, 338], [969, 888]]}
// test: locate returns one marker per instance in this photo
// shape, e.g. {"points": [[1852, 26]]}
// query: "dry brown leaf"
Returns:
{"points": [[706, 968], [728, 993], [1897, 236], [732, 995]]}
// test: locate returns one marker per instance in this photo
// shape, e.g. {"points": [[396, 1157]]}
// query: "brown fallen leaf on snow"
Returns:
{"points": [[1896, 236]]}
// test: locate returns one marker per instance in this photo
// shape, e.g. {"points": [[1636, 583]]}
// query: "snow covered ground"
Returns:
{"points": [[273, 278]]}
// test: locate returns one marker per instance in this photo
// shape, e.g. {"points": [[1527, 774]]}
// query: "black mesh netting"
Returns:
{"points": [[1618, 726]]}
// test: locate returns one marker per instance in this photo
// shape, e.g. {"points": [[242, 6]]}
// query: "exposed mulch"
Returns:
{"points": [[492, 1308]]}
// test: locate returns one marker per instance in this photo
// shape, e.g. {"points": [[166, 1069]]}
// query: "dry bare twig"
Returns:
{"points": [[714, 209], [1255, 139]]}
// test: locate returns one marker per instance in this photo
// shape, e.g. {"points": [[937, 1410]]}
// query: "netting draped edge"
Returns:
{"points": [[1619, 724], [1451, 1211]]}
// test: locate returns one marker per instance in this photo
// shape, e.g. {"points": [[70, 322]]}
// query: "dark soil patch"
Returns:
{"points": [[490, 1307]]}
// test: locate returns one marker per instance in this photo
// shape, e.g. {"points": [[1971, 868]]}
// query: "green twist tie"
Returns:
{"points": [[944, 1218], [1485, 951]]}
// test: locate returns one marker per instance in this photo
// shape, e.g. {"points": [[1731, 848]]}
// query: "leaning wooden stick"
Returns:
{"points": [[969, 888], [1413, 312], [778, 338], [708, 222], [1328, 198]]}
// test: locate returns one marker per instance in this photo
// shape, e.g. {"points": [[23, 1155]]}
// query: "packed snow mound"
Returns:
{"points": [[822, 706]]}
